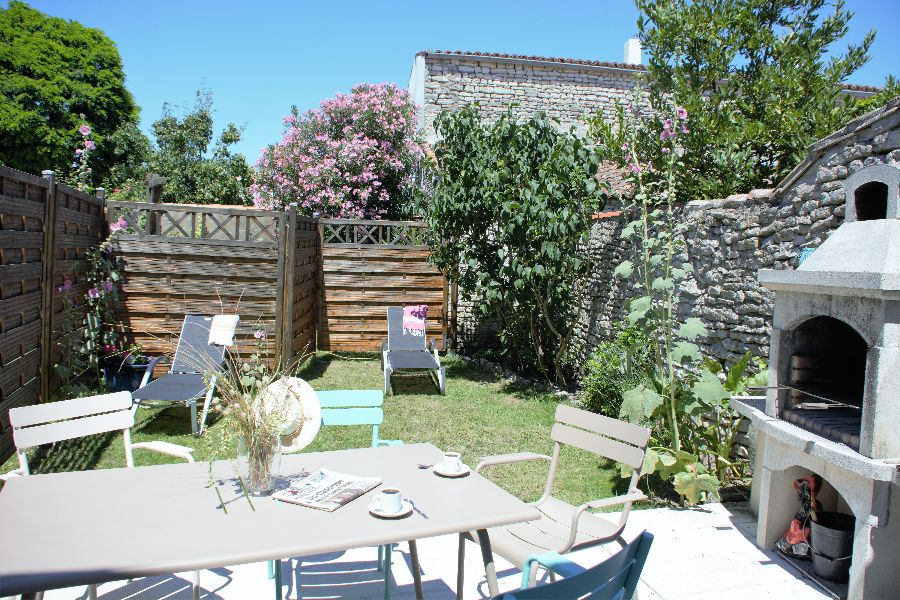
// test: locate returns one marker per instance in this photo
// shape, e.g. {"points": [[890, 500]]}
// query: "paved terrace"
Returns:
{"points": [[705, 553]]}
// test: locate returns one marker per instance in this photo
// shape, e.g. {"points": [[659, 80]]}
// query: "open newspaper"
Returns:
{"points": [[326, 490]]}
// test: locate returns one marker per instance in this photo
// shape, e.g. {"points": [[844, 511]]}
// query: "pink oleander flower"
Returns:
{"points": [[118, 225], [260, 334], [85, 129], [93, 293], [89, 144], [107, 286]]}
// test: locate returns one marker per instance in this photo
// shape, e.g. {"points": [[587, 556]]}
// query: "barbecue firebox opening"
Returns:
{"points": [[827, 380], [871, 201]]}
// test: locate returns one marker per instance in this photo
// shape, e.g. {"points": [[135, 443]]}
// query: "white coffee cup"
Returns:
{"points": [[452, 462], [389, 500]]}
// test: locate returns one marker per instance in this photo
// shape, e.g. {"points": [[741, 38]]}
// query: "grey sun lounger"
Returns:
{"points": [[405, 352], [186, 381]]}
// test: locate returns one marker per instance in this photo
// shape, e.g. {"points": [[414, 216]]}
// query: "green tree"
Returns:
{"points": [[181, 153], [754, 77], [54, 76], [511, 204]]}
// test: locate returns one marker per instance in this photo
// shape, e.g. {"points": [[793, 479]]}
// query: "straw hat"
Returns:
{"points": [[303, 415]]}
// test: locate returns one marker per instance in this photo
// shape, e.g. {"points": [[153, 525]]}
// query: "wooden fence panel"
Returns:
{"points": [[368, 266], [186, 259], [302, 279], [45, 232]]}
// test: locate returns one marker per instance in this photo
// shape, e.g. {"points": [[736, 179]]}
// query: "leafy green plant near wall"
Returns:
{"points": [[684, 399], [511, 205], [616, 365]]}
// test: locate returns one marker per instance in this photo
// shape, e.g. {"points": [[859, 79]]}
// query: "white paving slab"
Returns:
{"points": [[704, 553]]}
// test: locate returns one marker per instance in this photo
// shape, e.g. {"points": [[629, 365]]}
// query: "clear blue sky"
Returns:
{"points": [[258, 58]]}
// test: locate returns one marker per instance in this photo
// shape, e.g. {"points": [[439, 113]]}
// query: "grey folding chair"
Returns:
{"points": [[68, 419], [185, 383], [405, 352], [563, 527]]}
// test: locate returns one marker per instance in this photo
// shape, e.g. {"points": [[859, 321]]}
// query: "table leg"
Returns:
{"points": [[279, 576], [387, 571], [417, 576], [487, 556], [195, 586], [460, 566]]}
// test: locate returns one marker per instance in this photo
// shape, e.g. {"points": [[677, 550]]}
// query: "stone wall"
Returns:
{"points": [[729, 240], [564, 90]]}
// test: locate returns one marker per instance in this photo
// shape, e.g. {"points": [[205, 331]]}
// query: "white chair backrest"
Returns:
{"points": [[57, 421]]}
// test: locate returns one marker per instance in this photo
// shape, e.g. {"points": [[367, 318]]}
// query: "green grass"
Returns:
{"points": [[480, 415]]}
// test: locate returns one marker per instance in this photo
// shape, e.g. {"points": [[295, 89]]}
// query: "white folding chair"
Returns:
{"points": [[68, 419]]}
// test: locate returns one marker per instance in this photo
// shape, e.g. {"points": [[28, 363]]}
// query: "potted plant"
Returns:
{"points": [[124, 370]]}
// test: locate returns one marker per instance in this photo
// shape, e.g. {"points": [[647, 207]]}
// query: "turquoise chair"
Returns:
{"points": [[614, 579], [351, 407]]}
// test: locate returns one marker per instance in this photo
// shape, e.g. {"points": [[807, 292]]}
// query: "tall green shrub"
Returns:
{"points": [[511, 204]]}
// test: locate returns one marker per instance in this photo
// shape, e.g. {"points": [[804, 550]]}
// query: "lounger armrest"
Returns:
{"points": [[505, 459], [167, 448], [150, 366], [11, 474]]}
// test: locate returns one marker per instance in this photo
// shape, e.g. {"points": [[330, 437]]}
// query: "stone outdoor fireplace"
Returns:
{"points": [[833, 404]]}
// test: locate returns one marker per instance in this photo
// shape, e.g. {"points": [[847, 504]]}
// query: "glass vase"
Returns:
{"points": [[258, 464]]}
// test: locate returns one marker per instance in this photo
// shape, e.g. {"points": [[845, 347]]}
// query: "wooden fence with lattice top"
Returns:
{"points": [[179, 259], [368, 266]]}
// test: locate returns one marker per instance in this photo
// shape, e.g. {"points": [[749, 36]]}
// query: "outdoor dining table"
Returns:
{"points": [[67, 529]]}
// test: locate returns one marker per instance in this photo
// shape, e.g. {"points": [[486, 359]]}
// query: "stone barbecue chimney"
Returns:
{"points": [[632, 51]]}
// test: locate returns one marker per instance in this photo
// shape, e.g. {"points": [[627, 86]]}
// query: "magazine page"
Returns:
{"points": [[326, 490]]}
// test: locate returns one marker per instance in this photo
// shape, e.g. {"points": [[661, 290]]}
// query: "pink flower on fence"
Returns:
{"points": [[260, 334], [118, 225], [79, 151], [66, 286], [107, 286], [85, 129], [681, 113], [93, 293], [90, 145]]}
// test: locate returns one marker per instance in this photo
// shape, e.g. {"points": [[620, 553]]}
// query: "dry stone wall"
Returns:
{"points": [[565, 91], [729, 240]]}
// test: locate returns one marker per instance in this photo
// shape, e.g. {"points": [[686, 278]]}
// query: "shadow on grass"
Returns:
{"points": [[80, 454]]}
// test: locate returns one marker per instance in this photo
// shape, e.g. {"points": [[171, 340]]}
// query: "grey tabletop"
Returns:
{"points": [[93, 526]]}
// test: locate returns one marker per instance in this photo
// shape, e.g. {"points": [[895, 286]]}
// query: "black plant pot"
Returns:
{"points": [[123, 377], [832, 545]]}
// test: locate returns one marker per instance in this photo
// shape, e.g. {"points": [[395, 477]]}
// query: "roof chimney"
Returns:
{"points": [[633, 51]]}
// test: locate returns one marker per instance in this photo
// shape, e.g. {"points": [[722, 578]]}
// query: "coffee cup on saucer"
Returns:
{"points": [[389, 500], [452, 462]]}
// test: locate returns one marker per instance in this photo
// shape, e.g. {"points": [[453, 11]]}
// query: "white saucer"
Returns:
{"points": [[439, 470], [405, 510]]}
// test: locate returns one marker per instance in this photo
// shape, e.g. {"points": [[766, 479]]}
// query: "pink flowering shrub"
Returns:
{"points": [[351, 158]]}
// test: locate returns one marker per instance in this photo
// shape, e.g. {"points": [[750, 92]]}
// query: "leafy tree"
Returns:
{"points": [[753, 76], [181, 154], [56, 75], [353, 157], [510, 206]]}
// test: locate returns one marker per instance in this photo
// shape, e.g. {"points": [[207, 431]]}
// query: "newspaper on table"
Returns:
{"points": [[326, 490]]}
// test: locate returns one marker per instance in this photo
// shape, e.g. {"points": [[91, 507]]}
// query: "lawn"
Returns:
{"points": [[480, 415]]}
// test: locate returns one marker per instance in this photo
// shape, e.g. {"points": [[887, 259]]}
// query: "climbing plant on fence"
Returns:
{"points": [[511, 204]]}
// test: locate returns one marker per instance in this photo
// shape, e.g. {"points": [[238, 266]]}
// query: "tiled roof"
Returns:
{"points": [[566, 61], [853, 87]]}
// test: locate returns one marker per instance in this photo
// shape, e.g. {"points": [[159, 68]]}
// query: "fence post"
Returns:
{"points": [[321, 317], [47, 297], [290, 251], [155, 185]]}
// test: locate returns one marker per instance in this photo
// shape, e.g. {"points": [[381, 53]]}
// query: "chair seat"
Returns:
{"points": [[173, 387], [412, 360], [517, 542]]}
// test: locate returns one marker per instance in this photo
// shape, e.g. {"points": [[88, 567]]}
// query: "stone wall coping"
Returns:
{"points": [[611, 214], [536, 60], [816, 446], [732, 201]]}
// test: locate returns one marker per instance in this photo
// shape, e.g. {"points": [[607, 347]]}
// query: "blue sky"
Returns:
{"points": [[259, 58]]}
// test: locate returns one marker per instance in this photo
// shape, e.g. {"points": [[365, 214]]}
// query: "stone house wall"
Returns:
{"points": [[566, 90]]}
